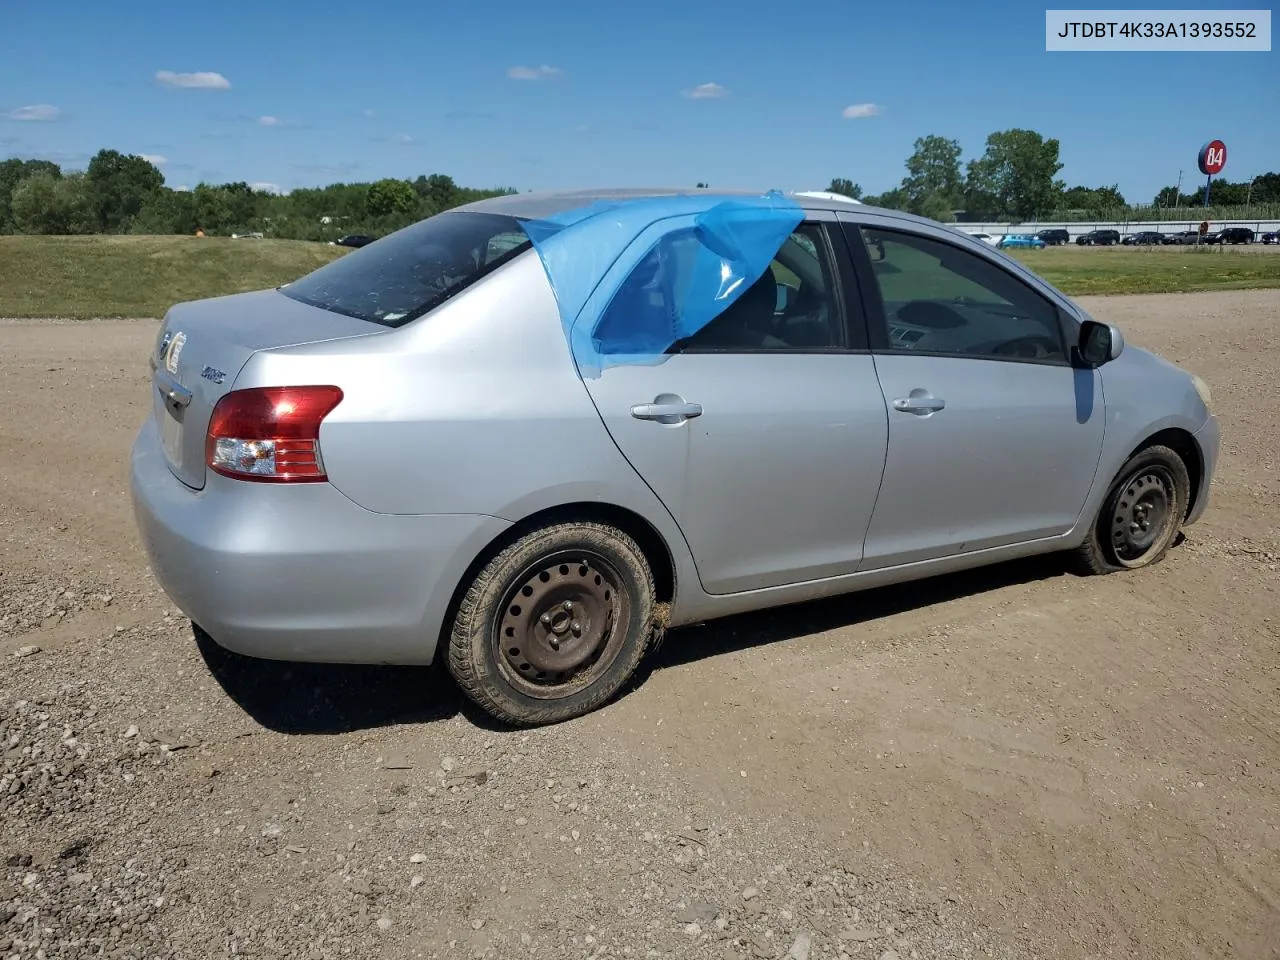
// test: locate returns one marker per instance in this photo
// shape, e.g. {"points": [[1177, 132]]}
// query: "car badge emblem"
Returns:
{"points": [[213, 374], [172, 351]]}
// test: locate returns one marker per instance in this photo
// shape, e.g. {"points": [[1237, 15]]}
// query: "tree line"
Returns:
{"points": [[123, 193], [1015, 179]]}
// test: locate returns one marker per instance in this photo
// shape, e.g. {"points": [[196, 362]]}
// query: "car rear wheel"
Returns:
{"points": [[1140, 516], [555, 624]]}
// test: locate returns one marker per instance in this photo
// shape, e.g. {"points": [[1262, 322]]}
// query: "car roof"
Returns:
{"points": [[547, 203]]}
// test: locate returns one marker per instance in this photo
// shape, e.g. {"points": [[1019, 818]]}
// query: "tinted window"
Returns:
{"points": [[792, 306], [413, 270], [941, 299]]}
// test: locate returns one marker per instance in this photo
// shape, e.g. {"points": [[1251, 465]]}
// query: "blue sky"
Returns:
{"points": [[538, 95]]}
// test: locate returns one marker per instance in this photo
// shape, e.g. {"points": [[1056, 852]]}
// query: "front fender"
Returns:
{"points": [[1145, 395]]}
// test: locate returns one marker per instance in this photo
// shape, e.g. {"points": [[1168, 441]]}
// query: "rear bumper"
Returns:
{"points": [[1208, 438], [300, 572]]}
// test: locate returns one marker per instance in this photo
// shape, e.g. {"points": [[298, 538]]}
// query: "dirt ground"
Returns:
{"points": [[1011, 763]]}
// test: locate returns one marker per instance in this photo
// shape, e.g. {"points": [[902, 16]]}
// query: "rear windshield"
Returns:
{"points": [[414, 270]]}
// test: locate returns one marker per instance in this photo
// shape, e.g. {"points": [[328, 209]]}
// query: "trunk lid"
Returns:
{"points": [[201, 349]]}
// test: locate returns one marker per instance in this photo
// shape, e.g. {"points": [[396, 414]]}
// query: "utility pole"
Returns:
{"points": [[1248, 197], [1177, 192]]}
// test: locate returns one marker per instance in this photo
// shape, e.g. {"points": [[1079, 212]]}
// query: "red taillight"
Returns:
{"points": [[270, 434]]}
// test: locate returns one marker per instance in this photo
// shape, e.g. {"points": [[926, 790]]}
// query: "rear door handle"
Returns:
{"points": [[666, 412], [919, 405]]}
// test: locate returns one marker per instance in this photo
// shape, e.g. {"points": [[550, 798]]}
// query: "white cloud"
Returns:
{"points": [[182, 189], [266, 187], [154, 158], [543, 72], [36, 112], [193, 81], [706, 91], [858, 111], [270, 122]]}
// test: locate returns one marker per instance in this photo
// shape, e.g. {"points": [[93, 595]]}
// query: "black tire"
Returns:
{"points": [[586, 622], [1141, 515]]}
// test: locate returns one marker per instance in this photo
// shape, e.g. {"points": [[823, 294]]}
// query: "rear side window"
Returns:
{"points": [[667, 305], [414, 270]]}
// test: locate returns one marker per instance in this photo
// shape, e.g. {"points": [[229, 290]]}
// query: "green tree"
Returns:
{"points": [[1109, 198], [43, 203], [387, 197], [1266, 189], [438, 192], [933, 186], [212, 209], [895, 199], [1079, 198], [242, 203], [935, 206], [846, 188], [167, 211], [119, 184], [13, 172], [1015, 176]]}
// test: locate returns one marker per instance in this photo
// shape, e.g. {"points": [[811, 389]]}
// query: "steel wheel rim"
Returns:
{"points": [[561, 624], [1141, 513]]}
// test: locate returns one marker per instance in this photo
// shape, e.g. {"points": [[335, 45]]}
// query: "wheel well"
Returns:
{"points": [[1184, 445], [639, 529]]}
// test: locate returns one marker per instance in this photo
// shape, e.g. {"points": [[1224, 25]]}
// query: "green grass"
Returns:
{"points": [[83, 277], [1101, 270]]}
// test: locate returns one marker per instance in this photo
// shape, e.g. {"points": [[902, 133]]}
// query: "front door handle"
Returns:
{"points": [[667, 411], [919, 405]]}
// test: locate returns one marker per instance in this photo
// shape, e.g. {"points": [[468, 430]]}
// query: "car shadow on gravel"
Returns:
{"points": [[317, 698], [744, 631], [325, 698]]}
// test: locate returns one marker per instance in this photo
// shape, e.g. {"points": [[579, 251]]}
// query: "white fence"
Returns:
{"points": [[1125, 227]]}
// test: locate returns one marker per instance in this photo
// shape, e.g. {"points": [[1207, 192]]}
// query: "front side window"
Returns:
{"points": [[791, 307], [414, 270], [940, 299]]}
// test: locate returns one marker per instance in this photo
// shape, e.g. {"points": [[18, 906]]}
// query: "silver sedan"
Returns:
{"points": [[528, 435]]}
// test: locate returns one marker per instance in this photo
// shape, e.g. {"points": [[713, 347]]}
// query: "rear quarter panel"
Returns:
{"points": [[475, 408]]}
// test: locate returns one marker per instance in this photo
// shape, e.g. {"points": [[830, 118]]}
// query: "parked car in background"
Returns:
{"points": [[353, 240], [1143, 238], [1182, 238], [1054, 237], [1235, 235], [1213, 236], [1020, 240], [1099, 238], [1271, 236], [527, 462], [987, 238]]}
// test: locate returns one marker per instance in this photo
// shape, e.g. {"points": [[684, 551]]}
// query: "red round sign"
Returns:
{"points": [[1213, 157]]}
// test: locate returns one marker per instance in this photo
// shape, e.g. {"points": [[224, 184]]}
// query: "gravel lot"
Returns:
{"points": [[1009, 763]]}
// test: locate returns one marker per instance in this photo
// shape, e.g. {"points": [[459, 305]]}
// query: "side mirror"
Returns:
{"points": [[1099, 343]]}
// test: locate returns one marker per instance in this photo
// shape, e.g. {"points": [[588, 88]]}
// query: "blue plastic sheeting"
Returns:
{"points": [[634, 277]]}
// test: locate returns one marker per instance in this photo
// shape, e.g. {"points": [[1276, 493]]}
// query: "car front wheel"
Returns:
{"points": [[555, 624], [1140, 516]]}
